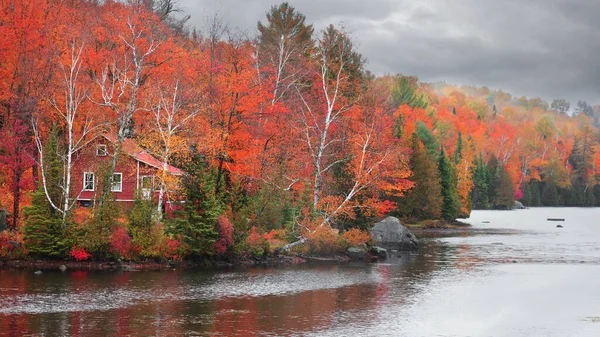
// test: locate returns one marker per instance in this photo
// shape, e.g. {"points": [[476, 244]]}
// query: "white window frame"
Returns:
{"points": [[120, 189], [93, 181], [149, 190], [103, 152]]}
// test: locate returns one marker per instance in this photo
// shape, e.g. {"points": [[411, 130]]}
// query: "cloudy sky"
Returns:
{"points": [[544, 48]]}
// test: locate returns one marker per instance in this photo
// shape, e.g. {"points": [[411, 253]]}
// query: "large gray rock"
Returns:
{"points": [[519, 205], [390, 234]]}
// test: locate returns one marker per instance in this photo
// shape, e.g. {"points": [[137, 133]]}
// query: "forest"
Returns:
{"points": [[287, 141]]}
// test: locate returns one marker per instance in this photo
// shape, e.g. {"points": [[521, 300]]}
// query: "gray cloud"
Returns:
{"points": [[545, 48]]}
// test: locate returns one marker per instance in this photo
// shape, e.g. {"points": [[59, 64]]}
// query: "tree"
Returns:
{"points": [[479, 196], [43, 234], [505, 190], [172, 112], [283, 44], [550, 195], [536, 198], [560, 105], [450, 203], [15, 156], [77, 126], [197, 226], [527, 197], [584, 108], [424, 201], [464, 175], [405, 92]]}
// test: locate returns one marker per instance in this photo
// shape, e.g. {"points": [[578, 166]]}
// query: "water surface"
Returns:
{"points": [[513, 274]]}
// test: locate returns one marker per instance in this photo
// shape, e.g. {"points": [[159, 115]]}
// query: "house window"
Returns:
{"points": [[101, 150], [147, 182], [146, 185], [117, 182], [88, 181]]}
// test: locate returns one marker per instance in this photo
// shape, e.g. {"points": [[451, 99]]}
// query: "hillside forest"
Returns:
{"points": [[287, 141]]}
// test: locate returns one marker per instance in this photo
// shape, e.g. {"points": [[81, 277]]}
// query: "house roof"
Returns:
{"points": [[131, 148]]}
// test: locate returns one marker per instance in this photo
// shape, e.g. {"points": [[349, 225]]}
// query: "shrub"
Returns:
{"points": [[256, 244], [355, 237], [11, 245], [324, 240], [225, 241], [80, 254], [276, 238], [120, 242]]}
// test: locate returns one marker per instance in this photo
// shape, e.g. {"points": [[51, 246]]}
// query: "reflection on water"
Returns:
{"points": [[528, 279]]}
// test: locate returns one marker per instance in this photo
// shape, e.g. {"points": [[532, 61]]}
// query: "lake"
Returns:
{"points": [[513, 274]]}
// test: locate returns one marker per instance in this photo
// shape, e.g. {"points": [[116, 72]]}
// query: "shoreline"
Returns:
{"points": [[55, 265]]}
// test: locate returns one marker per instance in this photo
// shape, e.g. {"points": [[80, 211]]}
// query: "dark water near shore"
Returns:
{"points": [[517, 275]]}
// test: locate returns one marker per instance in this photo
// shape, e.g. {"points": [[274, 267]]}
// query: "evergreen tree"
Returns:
{"points": [[526, 199], [43, 232], [479, 196], [536, 199], [197, 224], [505, 190], [450, 203], [550, 195], [492, 178], [590, 198], [427, 138], [424, 201], [458, 149], [405, 92]]}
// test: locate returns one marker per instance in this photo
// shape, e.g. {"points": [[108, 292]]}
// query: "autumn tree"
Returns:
{"points": [[78, 127]]}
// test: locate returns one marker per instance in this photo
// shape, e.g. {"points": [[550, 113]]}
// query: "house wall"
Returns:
{"points": [[131, 169]]}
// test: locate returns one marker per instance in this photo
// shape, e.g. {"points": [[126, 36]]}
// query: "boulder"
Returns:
{"points": [[381, 253], [518, 205], [357, 253], [392, 235], [62, 268]]}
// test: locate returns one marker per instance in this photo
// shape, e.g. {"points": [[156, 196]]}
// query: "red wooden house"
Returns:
{"points": [[135, 171]]}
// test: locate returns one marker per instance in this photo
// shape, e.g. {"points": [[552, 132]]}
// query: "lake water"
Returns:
{"points": [[517, 275]]}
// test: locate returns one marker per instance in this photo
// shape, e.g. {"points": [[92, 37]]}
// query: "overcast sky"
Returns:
{"points": [[543, 48]]}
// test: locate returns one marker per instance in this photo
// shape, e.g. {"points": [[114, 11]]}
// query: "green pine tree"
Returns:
{"points": [[550, 195], [526, 199], [43, 233], [196, 226], [458, 149], [450, 203], [479, 195], [536, 198], [505, 189], [424, 201]]}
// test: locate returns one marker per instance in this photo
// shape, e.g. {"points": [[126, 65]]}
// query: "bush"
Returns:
{"points": [[325, 240], [276, 238], [225, 241], [256, 244], [80, 254], [120, 242], [356, 237], [11, 245]]}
